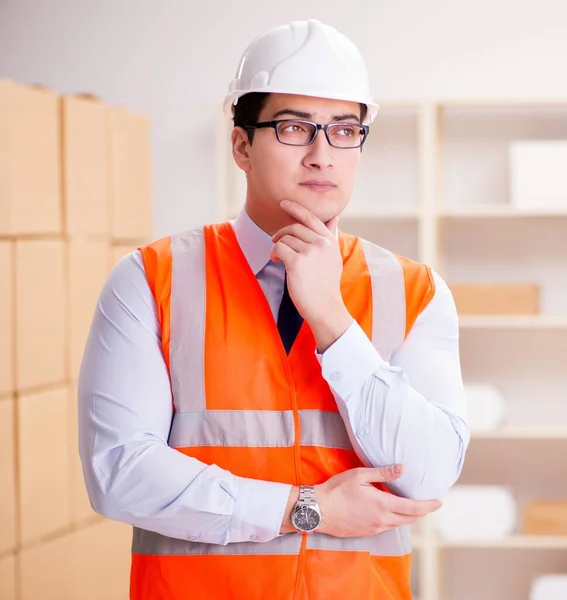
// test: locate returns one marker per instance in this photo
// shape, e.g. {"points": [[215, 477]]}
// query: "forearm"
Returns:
{"points": [[390, 422], [154, 487]]}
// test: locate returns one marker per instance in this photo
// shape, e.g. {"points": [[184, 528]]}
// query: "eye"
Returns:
{"points": [[346, 131], [294, 128]]}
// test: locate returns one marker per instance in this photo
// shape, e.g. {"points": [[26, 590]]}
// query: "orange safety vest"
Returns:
{"points": [[242, 403]]}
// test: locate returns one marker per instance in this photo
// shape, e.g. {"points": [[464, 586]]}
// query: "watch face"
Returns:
{"points": [[306, 518]]}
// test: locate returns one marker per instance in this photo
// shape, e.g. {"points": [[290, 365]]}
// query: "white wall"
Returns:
{"points": [[174, 60]]}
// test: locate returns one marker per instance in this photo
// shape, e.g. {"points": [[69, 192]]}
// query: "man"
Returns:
{"points": [[271, 402]]}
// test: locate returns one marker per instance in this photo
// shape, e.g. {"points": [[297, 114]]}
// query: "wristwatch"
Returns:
{"points": [[306, 515]]}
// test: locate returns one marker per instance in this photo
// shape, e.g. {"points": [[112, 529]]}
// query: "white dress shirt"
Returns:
{"points": [[409, 410]]}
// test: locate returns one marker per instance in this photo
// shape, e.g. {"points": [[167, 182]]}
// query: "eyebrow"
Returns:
{"points": [[306, 115]]}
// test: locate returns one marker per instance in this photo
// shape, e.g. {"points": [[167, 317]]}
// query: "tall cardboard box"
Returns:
{"points": [[7, 475], [130, 175], [87, 270], [8, 577], [40, 313], [44, 469], [6, 318], [30, 161], [46, 570], [118, 251], [85, 170]]}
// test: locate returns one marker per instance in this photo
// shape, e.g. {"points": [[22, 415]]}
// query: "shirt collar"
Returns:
{"points": [[255, 243]]}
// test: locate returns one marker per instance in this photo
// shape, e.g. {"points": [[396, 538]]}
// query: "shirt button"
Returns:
{"points": [[254, 537], [362, 432], [334, 375], [193, 538]]}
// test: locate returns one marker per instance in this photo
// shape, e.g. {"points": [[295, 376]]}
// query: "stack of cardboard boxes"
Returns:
{"points": [[75, 195]]}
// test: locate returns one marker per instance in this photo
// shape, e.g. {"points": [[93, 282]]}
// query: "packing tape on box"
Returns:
{"points": [[477, 511]]}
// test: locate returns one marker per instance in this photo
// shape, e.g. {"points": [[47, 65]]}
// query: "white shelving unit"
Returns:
{"points": [[433, 186]]}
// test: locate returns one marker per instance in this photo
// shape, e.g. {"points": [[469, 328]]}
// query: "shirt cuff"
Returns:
{"points": [[350, 361], [259, 510]]}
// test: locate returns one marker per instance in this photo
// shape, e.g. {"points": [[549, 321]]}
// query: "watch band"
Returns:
{"points": [[306, 494]]}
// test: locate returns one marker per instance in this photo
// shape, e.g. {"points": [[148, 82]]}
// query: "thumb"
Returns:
{"points": [[383, 474]]}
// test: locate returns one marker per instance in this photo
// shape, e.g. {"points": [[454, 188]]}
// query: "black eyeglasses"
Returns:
{"points": [[303, 133]]}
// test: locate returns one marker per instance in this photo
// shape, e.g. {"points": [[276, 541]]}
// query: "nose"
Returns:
{"points": [[319, 154]]}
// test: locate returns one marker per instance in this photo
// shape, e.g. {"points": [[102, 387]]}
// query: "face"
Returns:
{"points": [[319, 177]]}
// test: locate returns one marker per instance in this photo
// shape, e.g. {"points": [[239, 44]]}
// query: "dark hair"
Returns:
{"points": [[247, 111]]}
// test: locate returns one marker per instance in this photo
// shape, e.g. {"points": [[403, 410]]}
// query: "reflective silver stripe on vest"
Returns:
{"points": [[257, 428], [323, 428], [149, 542], [187, 324], [388, 299], [396, 542]]}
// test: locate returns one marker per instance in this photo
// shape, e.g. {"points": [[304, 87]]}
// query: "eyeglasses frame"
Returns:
{"points": [[317, 126]]}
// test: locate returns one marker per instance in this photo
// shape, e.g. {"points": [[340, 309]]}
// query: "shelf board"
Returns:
{"points": [[522, 433], [496, 211], [512, 322], [522, 542]]}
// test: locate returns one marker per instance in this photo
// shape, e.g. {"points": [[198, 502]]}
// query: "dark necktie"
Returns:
{"points": [[289, 319]]}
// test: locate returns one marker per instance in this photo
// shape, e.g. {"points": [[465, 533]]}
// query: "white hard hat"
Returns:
{"points": [[305, 58]]}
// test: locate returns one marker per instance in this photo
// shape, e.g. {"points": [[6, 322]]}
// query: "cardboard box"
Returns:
{"points": [[85, 172], [87, 270], [7, 475], [46, 570], [119, 251], [8, 577], [130, 175], [496, 299], [30, 178], [101, 561], [543, 517], [40, 313], [7, 384], [44, 469], [538, 174]]}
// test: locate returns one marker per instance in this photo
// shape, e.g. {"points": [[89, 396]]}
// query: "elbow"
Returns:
{"points": [[435, 478], [114, 493], [436, 482]]}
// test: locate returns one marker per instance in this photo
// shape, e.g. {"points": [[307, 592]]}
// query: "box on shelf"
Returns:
{"points": [[477, 512], [85, 172], [538, 174], [496, 299], [30, 180], [130, 175], [551, 586], [545, 517]]}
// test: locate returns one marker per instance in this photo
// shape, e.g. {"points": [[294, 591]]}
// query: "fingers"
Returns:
{"points": [[283, 253], [380, 474], [298, 231], [301, 214], [412, 508]]}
